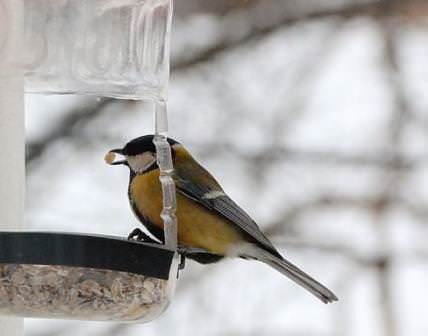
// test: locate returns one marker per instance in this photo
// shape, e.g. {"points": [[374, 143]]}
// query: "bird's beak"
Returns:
{"points": [[110, 157], [117, 151]]}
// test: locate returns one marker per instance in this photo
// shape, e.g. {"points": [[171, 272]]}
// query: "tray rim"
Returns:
{"points": [[96, 251]]}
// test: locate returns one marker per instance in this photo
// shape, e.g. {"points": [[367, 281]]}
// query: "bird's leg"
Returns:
{"points": [[139, 235], [182, 251], [182, 263]]}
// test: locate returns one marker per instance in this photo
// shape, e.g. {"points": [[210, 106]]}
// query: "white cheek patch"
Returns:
{"points": [[139, 163], [213, 194]]}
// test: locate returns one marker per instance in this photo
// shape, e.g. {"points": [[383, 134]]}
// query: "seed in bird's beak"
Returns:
{"points": [[109, 158]]}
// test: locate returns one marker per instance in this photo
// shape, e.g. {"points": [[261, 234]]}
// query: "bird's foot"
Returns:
{"points": [[139, 235]]}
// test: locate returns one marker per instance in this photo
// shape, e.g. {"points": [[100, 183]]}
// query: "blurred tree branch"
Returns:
{"points": [[66, 128], [392, 180], [275, 153], [410, 9]]}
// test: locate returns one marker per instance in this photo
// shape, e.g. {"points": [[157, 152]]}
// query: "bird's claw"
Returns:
{"points": [[139, 235], [181, 250], [182, 263]]}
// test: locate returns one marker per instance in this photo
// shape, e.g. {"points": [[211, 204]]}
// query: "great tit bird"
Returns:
{"points": [[208, 220]]}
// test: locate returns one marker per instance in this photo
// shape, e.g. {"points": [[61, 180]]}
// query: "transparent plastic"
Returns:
{"points": [[115, 48], [47, 291]]}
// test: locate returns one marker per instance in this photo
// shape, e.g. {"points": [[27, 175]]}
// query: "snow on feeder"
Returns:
{"points": [[105, 48]]}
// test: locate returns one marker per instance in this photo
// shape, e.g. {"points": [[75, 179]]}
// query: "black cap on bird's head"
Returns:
{"points": [[139, 153]]}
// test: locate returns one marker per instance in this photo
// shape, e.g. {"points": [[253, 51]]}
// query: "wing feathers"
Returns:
{"points": [[213, 198]]}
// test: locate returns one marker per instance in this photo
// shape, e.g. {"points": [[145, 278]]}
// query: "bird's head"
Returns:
{"points": [[139, 154]]}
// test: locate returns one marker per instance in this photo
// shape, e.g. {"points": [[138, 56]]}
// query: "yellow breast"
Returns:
{"points": [[197, 226]]}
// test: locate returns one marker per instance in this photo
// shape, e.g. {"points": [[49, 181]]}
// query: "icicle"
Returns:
{"points": [[166, 168]]}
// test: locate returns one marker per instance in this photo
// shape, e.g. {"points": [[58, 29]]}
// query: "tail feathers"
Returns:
{"points": [[294, 273]]}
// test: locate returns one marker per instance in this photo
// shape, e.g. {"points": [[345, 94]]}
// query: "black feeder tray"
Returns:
{"points": [[84, 277]]}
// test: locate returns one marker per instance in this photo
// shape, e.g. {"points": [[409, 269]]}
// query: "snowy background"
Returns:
{"points": [[313, 116]]}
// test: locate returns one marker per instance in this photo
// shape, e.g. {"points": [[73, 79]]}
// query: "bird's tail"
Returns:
{"points": [[294, 273]]}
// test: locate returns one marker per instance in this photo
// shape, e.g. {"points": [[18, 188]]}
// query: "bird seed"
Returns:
{"points": [[47, 291]]}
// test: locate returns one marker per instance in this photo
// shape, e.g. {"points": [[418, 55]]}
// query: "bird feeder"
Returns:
{"points": [[84, 277], [106, 48]]}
